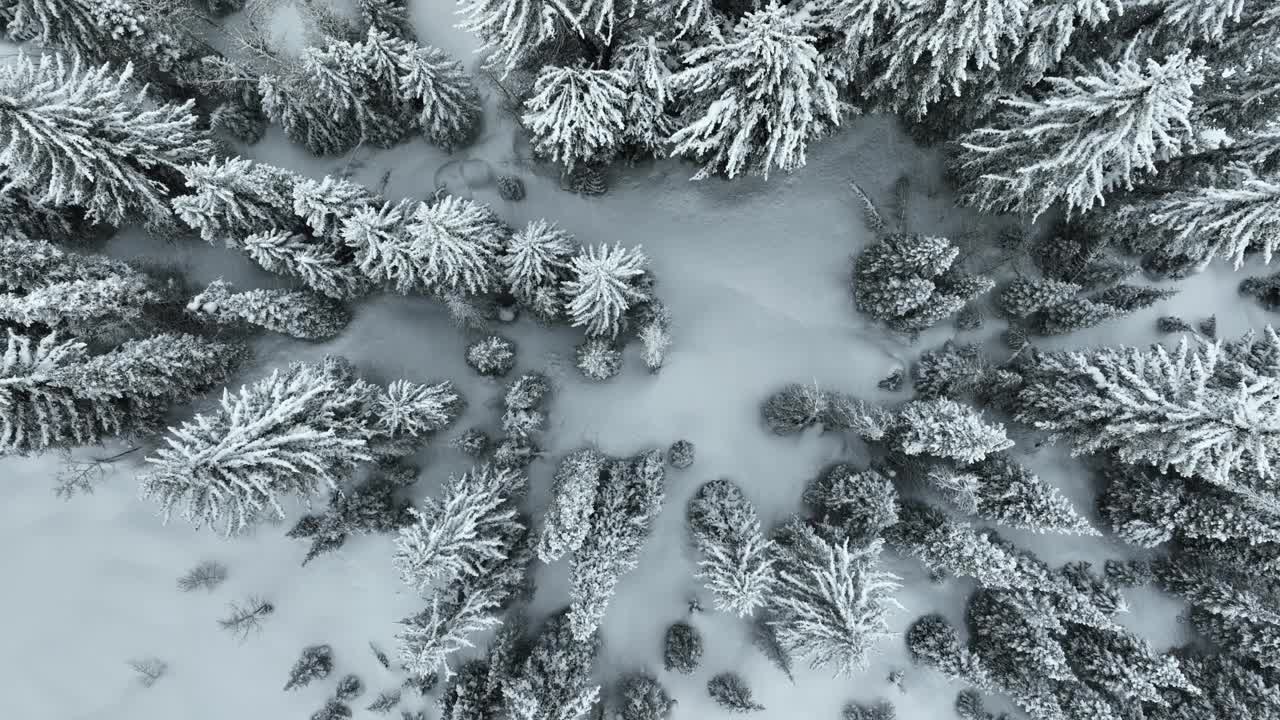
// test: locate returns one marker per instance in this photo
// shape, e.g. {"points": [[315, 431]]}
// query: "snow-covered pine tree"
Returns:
{"points": [[292, 103], [1225, 220], [647, 125], [577, 114], [568, 519], [355, 85], [1025, 296], [294, 313], [626, 505], [947, 429], [316, 262], [230, 199], [553, 683], [54, 394], [602, 287], [511, 30], [1010, 494], [324, 204], [84, 136], [911, 282], [851, 504], [537, 259], [456, 242], [732, 693], [409, 409], [1087, 136], [933, 641], [467, 605], [389, 16], [1239, 612], [737, 562], [682, 648], [442, 95], [87, 295], [855, 27], [830, 602], [455, 536], [1148, 508], [102, 32], [1071, 315], [757, 97], [1198, 411], [383, 251], [315, 663], [933, 49]]}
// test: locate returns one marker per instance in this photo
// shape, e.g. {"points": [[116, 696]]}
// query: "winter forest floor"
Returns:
{"points": [[755, 274]]}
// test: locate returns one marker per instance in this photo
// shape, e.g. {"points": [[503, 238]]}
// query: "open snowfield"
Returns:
{"points": [[755, 274]]}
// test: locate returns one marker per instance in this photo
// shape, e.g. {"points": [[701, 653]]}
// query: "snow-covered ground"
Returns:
{"points": [[756, 276]]}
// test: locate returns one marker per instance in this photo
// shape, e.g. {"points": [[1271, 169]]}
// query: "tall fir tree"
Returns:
{"points": [[441, 94], [297, 314], [84, 136], [231, 199], [757, 96], [737, 562], [602, 287], [536, 261], [577, 114], [457, 243]]}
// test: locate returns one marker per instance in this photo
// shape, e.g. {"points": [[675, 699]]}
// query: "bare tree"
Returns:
{"points": [[205, 576], [79, 476], [149, 670], [247, 618]]}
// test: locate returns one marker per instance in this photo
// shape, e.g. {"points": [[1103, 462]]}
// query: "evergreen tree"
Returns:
{"points": [[553, 682], [511, 30], [879, 711], [577, 114], [315, 663], [1227, 219], [101, 32], [388, 16], [86, 137], [568, 519], [830, 602], [1238, 612], [1229, 687], [1196, 411], [493, 356], [297, 314], [234, 198], [955, 371], [1024, 297], [323, 204], [598, 358], [1086, 137], [647, 122], [602, 287], [537, 257], [1075, 314], [346, 82], [456, 242], [644, 698], [931, 640], [856, 506], [758, 97], [1131, 298], [682, 648], [1203, 19], [731, 692], [53, 394], [627, 503], [1012, 495], [454, 536], [947, 429], [910, 281], [292, 102], [442, 95], [317, 263], [370, 507], [736, 565]]}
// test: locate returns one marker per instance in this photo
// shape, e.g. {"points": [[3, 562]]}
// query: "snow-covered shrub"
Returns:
{"points": [[492, 356], [911, 281], [315, 663], [644, 698], [599, 358], [731, 692], [510, 188], [681, 454], [682, 648]]}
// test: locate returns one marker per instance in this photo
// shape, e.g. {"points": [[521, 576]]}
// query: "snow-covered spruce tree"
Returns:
{"points": [[294, 313], [456, 243], [643, 698], [1199, 411], [577, 114], [568, 519], [554, 682], [602, 287], [829, 601], [286, 435], [736, 564], [935, 49], [626, 505], [647, 123], [1088, 136], [947, 429], [598, 358], [1227, 219], [911, 281], [148, 33], [370, 507], [465, 606], [442, 95], [957, 371], [537, 259], [732, 693], [757, 97], [230, 199], [511, 30], [316, 262], [292, 103], [315, 663], [87, 295], [882, 710], [1240, 613], [354, 84], [493, 356], [932, 641], [383, 251], [1025, 296], [1149, 508], [389, 16], [852, 504], [53, 394], [323, 204], [454, 536], [1010, 494], [87, 137]]}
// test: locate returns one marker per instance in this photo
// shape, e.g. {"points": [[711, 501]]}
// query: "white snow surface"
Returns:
{"points": [[756, 276]]}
